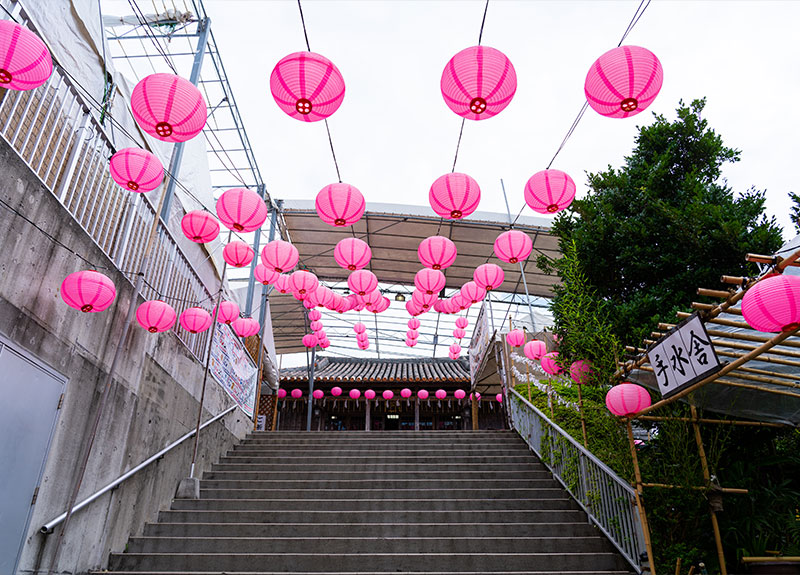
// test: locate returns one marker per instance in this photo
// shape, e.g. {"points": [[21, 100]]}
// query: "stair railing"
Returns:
{"points": [[607, 499]]}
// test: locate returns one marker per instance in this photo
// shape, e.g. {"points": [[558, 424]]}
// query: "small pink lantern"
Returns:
{"points": [[458, 394], [489, 276], [136, 170], [281, 393], [303, 282], [371, 299], [265, 275], [411, 342], [280, 256], [309, 302], [472, 292], [354, 394], [549, 364], [424, 300], [459, 333], [228, 312], [88, 291], [359, 328], [362, 282], [388, 394], [195, 320], [168, 107], [363, 346], [422, 394], [340, 204], [453, 356], [200, 227], [381, 306], [437, 252], [314, 315], [321, 336], [325, 343], [156, 316], [454, 196], [307, 86], [549, 191], [499, 398], [318, 394], [241, 210], [413, 308], [245, 326], [362, 337], [282, 283], [773, 304], [238, 254], [455, 349], [513, 246], [515, 338], [405, 393], [429, 280], [326, 297], [623, 81], [477, 396], [336, 391], [412, 334], [413, 323], [310, 340], [581, 371], [27, 63], [461, 322], [352, 254], [296, 393], [369, 394], [626, 399], [441, 394], [478, 82], [316, 325], [535, 349]]}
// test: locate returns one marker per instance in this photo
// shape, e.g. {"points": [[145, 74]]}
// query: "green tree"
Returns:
{"points": [[795, 213]]}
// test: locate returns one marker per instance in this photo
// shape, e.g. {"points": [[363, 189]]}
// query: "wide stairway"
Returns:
{"points": [[374, 502]]}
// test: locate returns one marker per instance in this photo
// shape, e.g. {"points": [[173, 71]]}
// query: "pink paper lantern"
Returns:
{"points": [[424, 300], [413, 323], [307, 86], [626, 399], [325, 344], [535, 349], [437, 252], [245, 326], [405, 393], [314, 315], [458, 394], [411, 342], [359, 328], [513, 246], [228, 312], [581, 371], [549, 191], [195, 320], [26, 60], [352, 254], [773, 304], [88, 291], [369, 394], [623, 81], [200, 227], [453, 356], [241, 210], [362, 337], [412, 334], [281, 393], [515, 338], [340, 204], [297, 394], [472, 292], [265, 275], [282, 283], [459, 333], [413, 308], [238, 254], [549, 364], [489, 276], [156, 316], [382, 305], [363, 346], [336, 391], [388, 394], [362, 282], [441, 394], [326, 297], [318, 394], [354, 302], [303, 282], [478, 82], [321, 336], [354, 394], [136, 170], [280, 256], [316, 325], [371, 298], [499, 398], [455, 349], [422, 394], [477, 396], [461, 322], [310, 340], [454, 196], [429, 280], [168, 107]]}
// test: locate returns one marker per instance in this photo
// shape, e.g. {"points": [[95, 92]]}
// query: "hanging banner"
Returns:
{"points": [[479, 343], [231, 366]]}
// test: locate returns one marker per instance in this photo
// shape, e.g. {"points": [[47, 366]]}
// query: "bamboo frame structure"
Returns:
{"points": [[638, 492]]}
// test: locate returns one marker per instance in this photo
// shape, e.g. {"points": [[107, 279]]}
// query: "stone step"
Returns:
{"points": [[440, 434], [385, 451], [382, 467], [373, 505], [214, 480], [464, 477], [370, 572], [445, 491], [335, 459]]}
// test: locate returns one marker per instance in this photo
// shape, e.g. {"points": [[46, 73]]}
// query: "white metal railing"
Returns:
{"points": [[54, 131], [609, 501]]}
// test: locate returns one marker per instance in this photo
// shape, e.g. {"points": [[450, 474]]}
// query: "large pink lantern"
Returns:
{"points": [[310, 340], [424, 300], [200, 227], [352, 254], [303, 282], [195, 320], [168, 107], [282, 284], [472, 292], [297, 394], [535, 349], [228, 311], [773, 304], [461, 322], [411, 342], [413, 323], [549, 191], [241, 210], [549, 363], [136, 170], [478, 82], [307, 86], [156, 316], [245, 326], [318, 394], [369, 394], [354, 394], [581, 371], [88, 291], [513, 246], [626, 399], [454, 195], [515, 338], [340, 204], [412, 334], [458, 394], [26, 60], [381, 306], [623, 81], [265, 275], [238, 254], [437, 252], [314, 315], [359, 328], [281, 393], [388, 394], [280, 256], [459, 333], [489, 276], [405, 393], [429, 280], [362, 282]]}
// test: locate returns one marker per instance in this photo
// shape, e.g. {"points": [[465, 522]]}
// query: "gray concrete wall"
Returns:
{"points": [[154, 396]]}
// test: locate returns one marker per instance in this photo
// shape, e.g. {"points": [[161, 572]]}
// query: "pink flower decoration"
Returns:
{"points": [[623, 81], [245, 326], [489, 276], [195, 320], [549, 191], [472, 292], [26, 61], [429, 281], [241, 210], [340, 204], [200, 227], [168, 107], [441, 394], [303, 282], [515, 338], [310, 340], [307, 86], [280, 256], [461, 322], [549, 364], [478, 83], [352, 254], [136, 170], [437, 252], [413, 323], [773, 304], [238, 254], [155, 316], [362, 282], [513, 246], [454, 195], [627, 398], [535, 349], [88, 291], [228, 312], [265, 275], [359, 328]]}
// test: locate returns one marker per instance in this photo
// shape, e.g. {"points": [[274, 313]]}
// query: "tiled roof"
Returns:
{"points": [[335, 370]]}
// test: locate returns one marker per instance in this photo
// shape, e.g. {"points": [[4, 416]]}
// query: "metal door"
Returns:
{"points": [[29, 398]]}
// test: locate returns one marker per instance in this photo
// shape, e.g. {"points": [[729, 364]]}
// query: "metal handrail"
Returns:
{"points": [[608, 500], [50, 525]]}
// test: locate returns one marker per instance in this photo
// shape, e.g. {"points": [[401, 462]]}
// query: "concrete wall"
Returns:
{"points": [[154, 396]]}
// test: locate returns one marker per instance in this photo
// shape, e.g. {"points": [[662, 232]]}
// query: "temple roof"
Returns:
{"points": [[342, 370]]}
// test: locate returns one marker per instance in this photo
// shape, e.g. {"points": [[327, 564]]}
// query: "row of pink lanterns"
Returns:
{"points": [[387, 394]]}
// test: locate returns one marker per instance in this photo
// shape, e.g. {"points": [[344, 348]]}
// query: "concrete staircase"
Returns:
{"points": [[374, 502]]}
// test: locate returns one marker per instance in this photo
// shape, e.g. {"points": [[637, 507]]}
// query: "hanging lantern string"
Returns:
{"points": [[303, 21], [485, 10], [190, 302], [149, 33]]}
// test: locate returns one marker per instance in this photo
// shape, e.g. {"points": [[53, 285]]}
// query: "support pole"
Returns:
{"points": [[638, 494], [521, 266], [251, 281], [262, 316], [475, 426], [311, 388], [368, 423], [416, 413]]}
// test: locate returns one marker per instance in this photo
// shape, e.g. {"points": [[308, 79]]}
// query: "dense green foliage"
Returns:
{"points": [[795, 212]]}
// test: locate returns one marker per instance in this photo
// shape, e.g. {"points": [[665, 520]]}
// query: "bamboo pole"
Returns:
{"points": [[732, 490], [708, 307], [783, 263], [678, 566], [769, 373], [583, 420], [712, 421], [730, 383], [639, 505], [714, 293], [718, 321]]}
